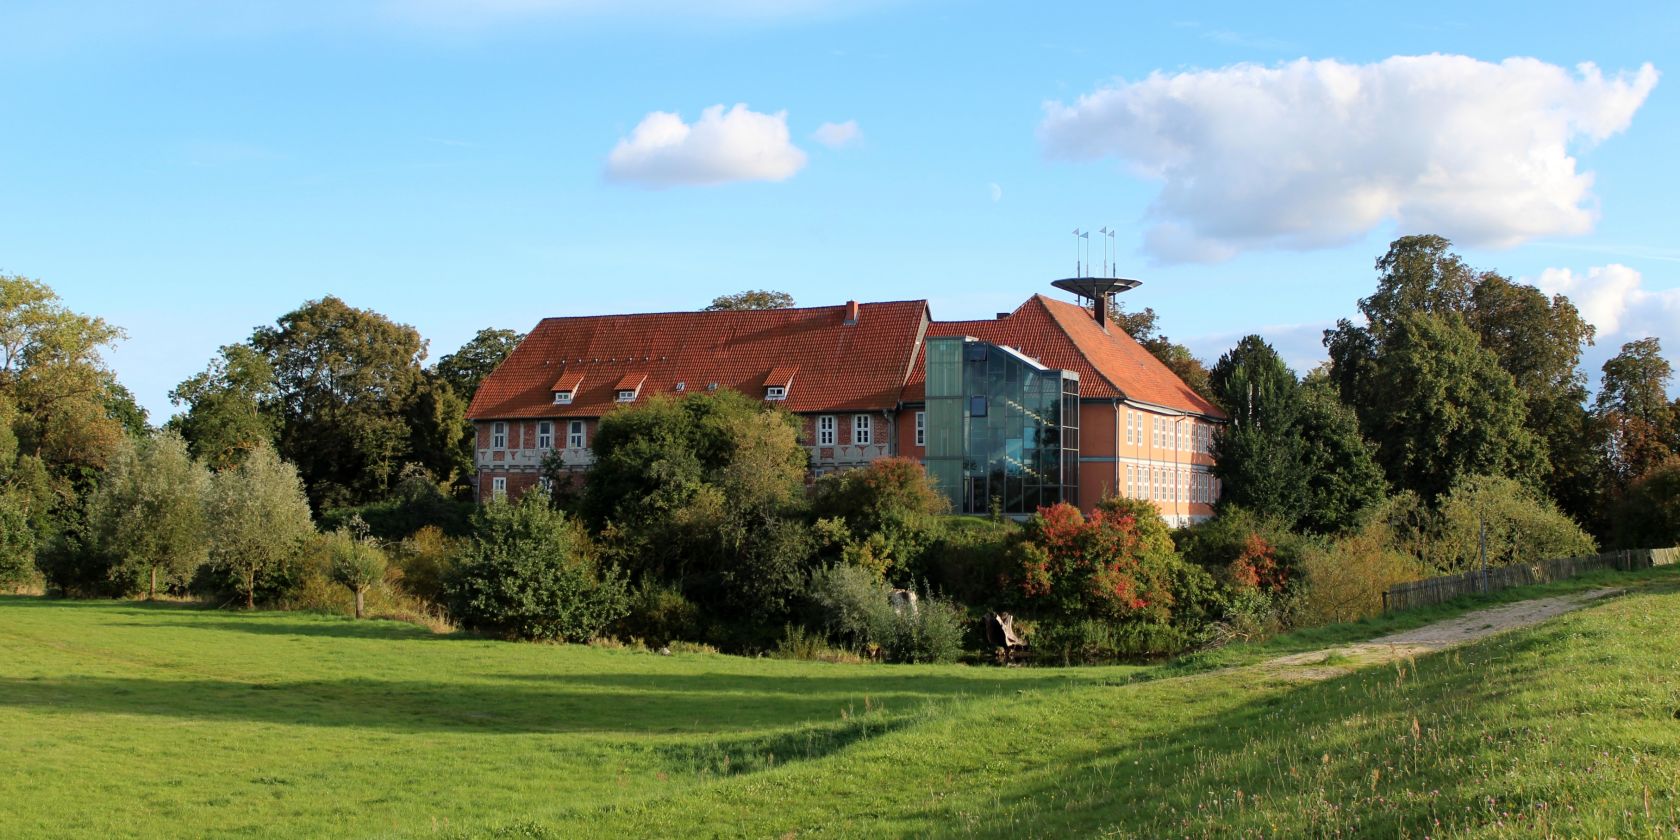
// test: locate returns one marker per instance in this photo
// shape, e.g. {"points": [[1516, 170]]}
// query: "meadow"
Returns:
{"points": [[131, 719]]}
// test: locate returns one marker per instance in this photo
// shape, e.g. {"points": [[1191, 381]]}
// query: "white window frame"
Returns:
{"points": [[545, 435], [577, 435], [498, 435], [626, 395], [775, 392], [562, 397], [921, 428], [825, 430], [863, 430], [498, 488]]}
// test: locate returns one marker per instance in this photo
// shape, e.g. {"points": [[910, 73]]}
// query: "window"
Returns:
{"points": [[562, 397], [825, 430], [681, 387], [498, 488], [498, 435], [1129, 433], [626, 396], [921, 428], [977, 406], [1155, 432], [1131, 480], [863, 429], [574, 435], [775, 392], [545, 435]]}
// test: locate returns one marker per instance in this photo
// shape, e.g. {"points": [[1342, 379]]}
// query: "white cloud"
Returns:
{"points": [[836, 135], [720, 147], [1311, 154], [1613, 299], [995, 191]]}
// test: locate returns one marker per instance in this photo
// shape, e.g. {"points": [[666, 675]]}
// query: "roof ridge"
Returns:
{"points": [[1079, 348], [730, 312]]}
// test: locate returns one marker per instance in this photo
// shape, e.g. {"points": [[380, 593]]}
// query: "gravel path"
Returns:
{"points": [[1333, 662]]}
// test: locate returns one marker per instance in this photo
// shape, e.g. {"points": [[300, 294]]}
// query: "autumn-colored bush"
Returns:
{"points": [[1098, 567]]}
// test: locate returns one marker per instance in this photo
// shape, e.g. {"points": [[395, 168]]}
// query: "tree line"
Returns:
{"points": [[322, 463]]}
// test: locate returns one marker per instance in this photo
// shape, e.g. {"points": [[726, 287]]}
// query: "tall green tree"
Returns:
{"points": [[346, 382], [147, 517], [1258, 453], [751, 299], [1537, 341], [224, 417], [1344, 483], [466, 368], [1637, 420], [69, 411], [1439, 406], [462, 371], [258, 518]]}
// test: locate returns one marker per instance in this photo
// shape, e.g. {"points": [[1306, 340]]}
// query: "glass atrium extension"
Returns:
{"points": [[1002, 429]]}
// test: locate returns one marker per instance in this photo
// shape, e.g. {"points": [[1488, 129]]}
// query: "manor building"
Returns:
{"points": [[1047, 403]]}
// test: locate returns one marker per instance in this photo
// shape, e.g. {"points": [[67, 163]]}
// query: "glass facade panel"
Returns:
{"points": [[1002, 430]]}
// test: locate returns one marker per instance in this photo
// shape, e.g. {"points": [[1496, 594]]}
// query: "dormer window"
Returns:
{"points": [[628, 387], [776, 385], [566, 387], [682, 386]]}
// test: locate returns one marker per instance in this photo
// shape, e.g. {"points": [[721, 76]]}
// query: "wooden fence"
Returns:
{"points": [[1423, 593]]}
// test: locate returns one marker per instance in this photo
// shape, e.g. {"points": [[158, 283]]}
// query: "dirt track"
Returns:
{"points": [[1336, 661]]}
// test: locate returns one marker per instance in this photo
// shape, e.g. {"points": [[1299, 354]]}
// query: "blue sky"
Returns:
{"points": [[189, 171]]}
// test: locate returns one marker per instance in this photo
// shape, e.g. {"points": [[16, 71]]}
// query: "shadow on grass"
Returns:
{"points": [[725, 704]]}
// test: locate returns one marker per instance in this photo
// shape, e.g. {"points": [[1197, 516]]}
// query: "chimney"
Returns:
{"points": [[851, 313], [1100, 310]]}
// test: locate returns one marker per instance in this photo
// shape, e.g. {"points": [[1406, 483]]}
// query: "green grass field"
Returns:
{"points": [[128, 719]]}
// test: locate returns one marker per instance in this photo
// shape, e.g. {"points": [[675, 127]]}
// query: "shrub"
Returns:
{"points": [[529, 572], [1105, 567], [424, 560], [17, 546], [1648, 514], [358, 564], [1089, 641], [799, 643], [1243, 550], [417, 502], [1345, 578], [258, 519], [856, 608], [659, 615], [890, 510], [1522, 525], [146, 519], [970, 560]]}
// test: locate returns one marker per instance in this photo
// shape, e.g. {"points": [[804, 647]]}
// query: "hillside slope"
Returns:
{"points": [[132, 720]]}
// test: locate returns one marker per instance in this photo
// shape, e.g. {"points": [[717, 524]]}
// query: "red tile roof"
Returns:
{"points": [[781, 375], [569, 380], [631, 381], [1062, 335], [841, 368]]}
